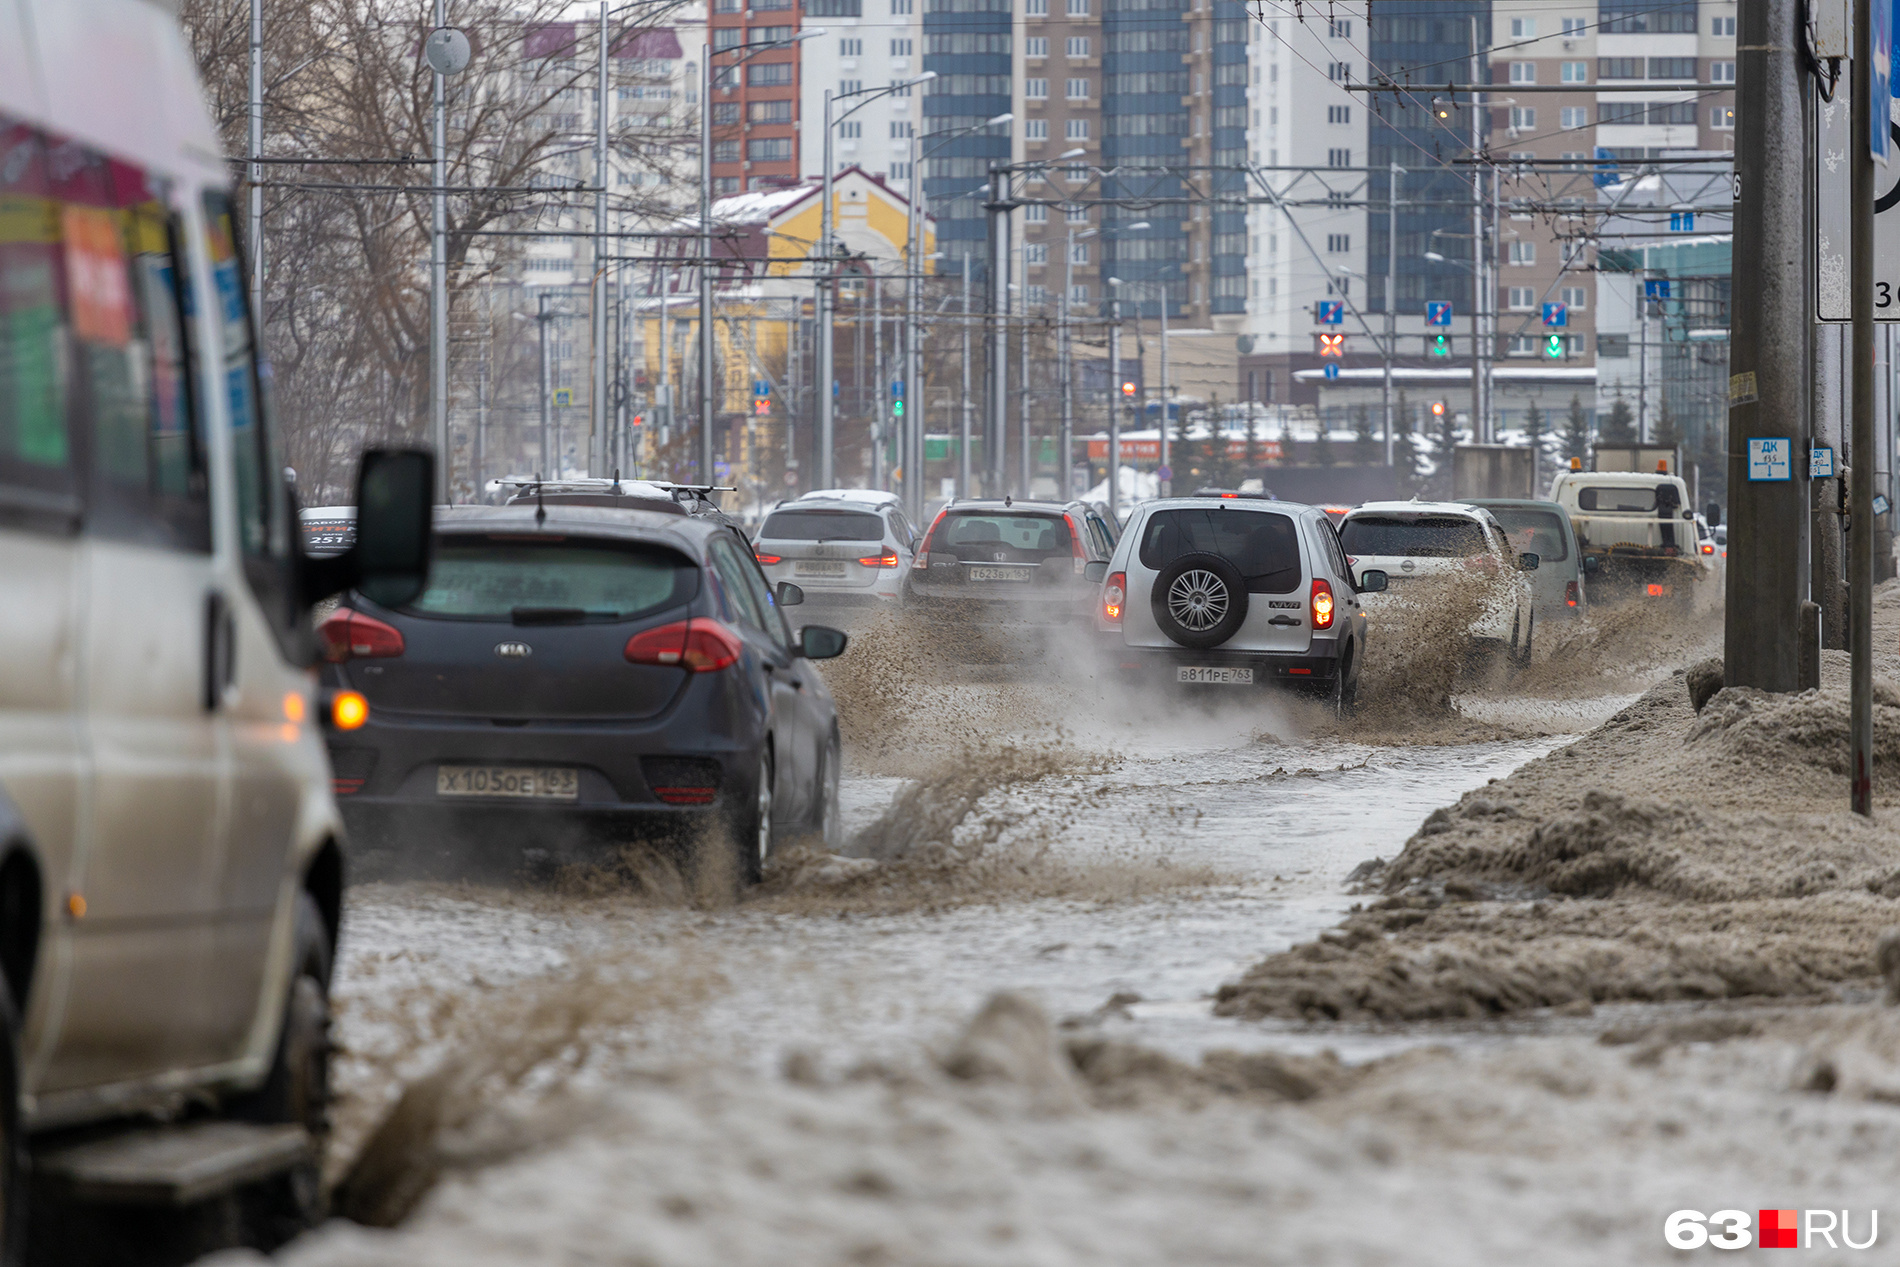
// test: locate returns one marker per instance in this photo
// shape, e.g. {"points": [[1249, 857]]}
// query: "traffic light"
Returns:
{"points": [[897, 407], [1332, 345], [1441, 345], [1438, 409], [761, 406], [1128, 387], [1554, 346]]}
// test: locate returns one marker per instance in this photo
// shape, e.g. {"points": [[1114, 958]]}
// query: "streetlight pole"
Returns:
{"points": [[997, 429], [257, 148], [597, 410], [1167, 393], [1066, 448], [542, 317], [1391, 297], [1114, 405], [439, 284], [963, 435], [705, 268]]}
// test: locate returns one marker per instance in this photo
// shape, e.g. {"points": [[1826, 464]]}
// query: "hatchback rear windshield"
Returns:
{"points": [[484, 578], [822, 525], [1265, 547], [963, 531], [1423, 537], [1636, 500], [1540, 532]]}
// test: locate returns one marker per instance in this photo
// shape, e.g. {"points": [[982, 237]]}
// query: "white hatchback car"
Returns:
{"points": [[850, 554], [1408, 540], [1236, 592]]}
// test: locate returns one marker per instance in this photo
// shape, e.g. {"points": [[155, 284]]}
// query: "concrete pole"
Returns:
{"points": [[1391, 297], [1114, 404], [826, 297], [880, 406], [706, 402], [1167, 391], [997, 428], [597, 407], [1022, 374], [541, 319], [1768, 386], [963, 435], [914, 492], [257, 169], [1867, 114], [439, 288], [1065, 447], [1477, 248]]}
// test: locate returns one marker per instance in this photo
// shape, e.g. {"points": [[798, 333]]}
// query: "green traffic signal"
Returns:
{"points": [[897, 409], [1441, 346], [1554, 346]]}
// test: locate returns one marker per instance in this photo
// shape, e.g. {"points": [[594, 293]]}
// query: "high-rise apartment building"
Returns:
{"points": [[968, 43], [756, 96], [867, 45]]}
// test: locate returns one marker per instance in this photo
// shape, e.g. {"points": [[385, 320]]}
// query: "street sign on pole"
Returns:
{"points": [[1556, 314], [761, 388], [1332, 312], [1832, 206], [1438, 312], [1332, 371], [563, 396]]}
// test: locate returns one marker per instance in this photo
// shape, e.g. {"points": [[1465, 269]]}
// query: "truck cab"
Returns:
{"points": [[1636, 532]]}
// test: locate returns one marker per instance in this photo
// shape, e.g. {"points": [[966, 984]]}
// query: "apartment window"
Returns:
{"points": [[1078, 252], [850, 87], [723, 37], [1339, 29], [1036, 8], [1078, 46], [769, 111], [1341, 286], [725, 151], [1036, 253], [1038, 295], [769, 75], [1075, 214], [1619, 68], [1721, 72], [1622, 112], [774, 149], [1520, 298], [1078, 90], [1573, 160], [1076, 175], [1574, 28], [1036, 89], [1339, 158], [903, 130], [1614, 346], [1338, 243], [726, 112], [1036, 214], [1576, 298], [1076, 8], [1523, 28], [1672, 112], [851, 48], [1036, 46], [1523, 118], [1078, 294], [1523, 72], [1722, 118], [725, 184], [1339, 114], [1672, 68], [901, 8], [851, 130], [1574, 72], [1076, 130], [1339, 72], [1574, 116], [1523, 253], [1722, 28], [900, 48], [1524, 345], [1036, 130]]}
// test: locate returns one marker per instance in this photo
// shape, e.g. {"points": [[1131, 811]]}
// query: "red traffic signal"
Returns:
{"points": [[1128, 387], [1438, 409], [1332, 345], [761, 406]]}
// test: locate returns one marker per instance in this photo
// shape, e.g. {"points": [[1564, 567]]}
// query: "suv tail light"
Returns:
{"points": [[768, 559], [1081, 561], [920, 562], [886, 560], [700, 646], [352, 635], [1570, 593], [1114, 595], [1322, 604], [1708, 547]]}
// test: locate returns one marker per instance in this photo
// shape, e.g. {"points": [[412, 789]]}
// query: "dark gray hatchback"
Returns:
{"points": [[575, 680]]}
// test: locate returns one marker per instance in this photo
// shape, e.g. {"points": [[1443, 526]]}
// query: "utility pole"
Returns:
{"points": [[597, 406], [997, 429], [913, 427], [1167, 392], [1867, 114], [541, 320], [1479, 431], [439, 284], [826, 300], [881, 405], [1391, 296], [705, 268], [1114, 402], [963, 437], [1065, 447], [1768, 383], [257, 169], [1022, 376]]}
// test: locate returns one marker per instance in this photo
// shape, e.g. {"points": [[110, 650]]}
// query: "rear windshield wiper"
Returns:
{"points": [[548, 615]]}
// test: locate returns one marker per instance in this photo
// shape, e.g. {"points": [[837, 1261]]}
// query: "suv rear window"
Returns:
{"points": [[1423, 537], [482, 578], [1264, 546], [963, 531], [822, 525], [1634, 500], [1539, 531]]}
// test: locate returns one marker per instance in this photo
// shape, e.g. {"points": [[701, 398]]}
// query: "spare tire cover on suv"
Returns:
{"points": [[1199, 600]]}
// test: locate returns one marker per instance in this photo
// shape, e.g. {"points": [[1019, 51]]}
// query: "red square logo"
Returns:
{"points": [[1780, 1229]]}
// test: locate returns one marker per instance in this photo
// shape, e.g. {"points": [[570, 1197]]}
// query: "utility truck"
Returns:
{"points": [[1636, 530]]}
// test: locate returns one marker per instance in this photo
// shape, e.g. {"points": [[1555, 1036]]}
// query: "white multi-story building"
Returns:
{"points": [[867, 44]]}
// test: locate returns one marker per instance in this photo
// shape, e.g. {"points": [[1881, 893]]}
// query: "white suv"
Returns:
{"points": [[1414, 539], [1236, 592], [849, 553]]}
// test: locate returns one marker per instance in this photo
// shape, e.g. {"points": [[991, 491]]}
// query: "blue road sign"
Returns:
{"points": [[897, 387], [1438, 312], [1880, 18], [1556, 314], [761, 388], [1606, 173], [1656, 288], [1682, 222], [1332, 311], [1332, 371]]}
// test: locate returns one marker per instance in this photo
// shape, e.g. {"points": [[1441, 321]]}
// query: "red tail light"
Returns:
{"points": [[346, 787], [701, 646], [921, 560], [1707, 548], [352, 635], [1655, 591], [886, 560], [1570, 593], [686, 795], [1081, 560], [1322, 604], [1114, 595], [768, 558]]}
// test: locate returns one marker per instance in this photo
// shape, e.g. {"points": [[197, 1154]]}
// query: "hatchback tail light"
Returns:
{"points": [[768, 559], [921, 560], [1114, 595], [886, 560], [700, 646], [1081, 559], [352, 635], [1322, 604], [1571, 596]]}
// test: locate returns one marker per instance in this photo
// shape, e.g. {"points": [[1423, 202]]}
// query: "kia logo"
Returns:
{"points": [[513, 650]]}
